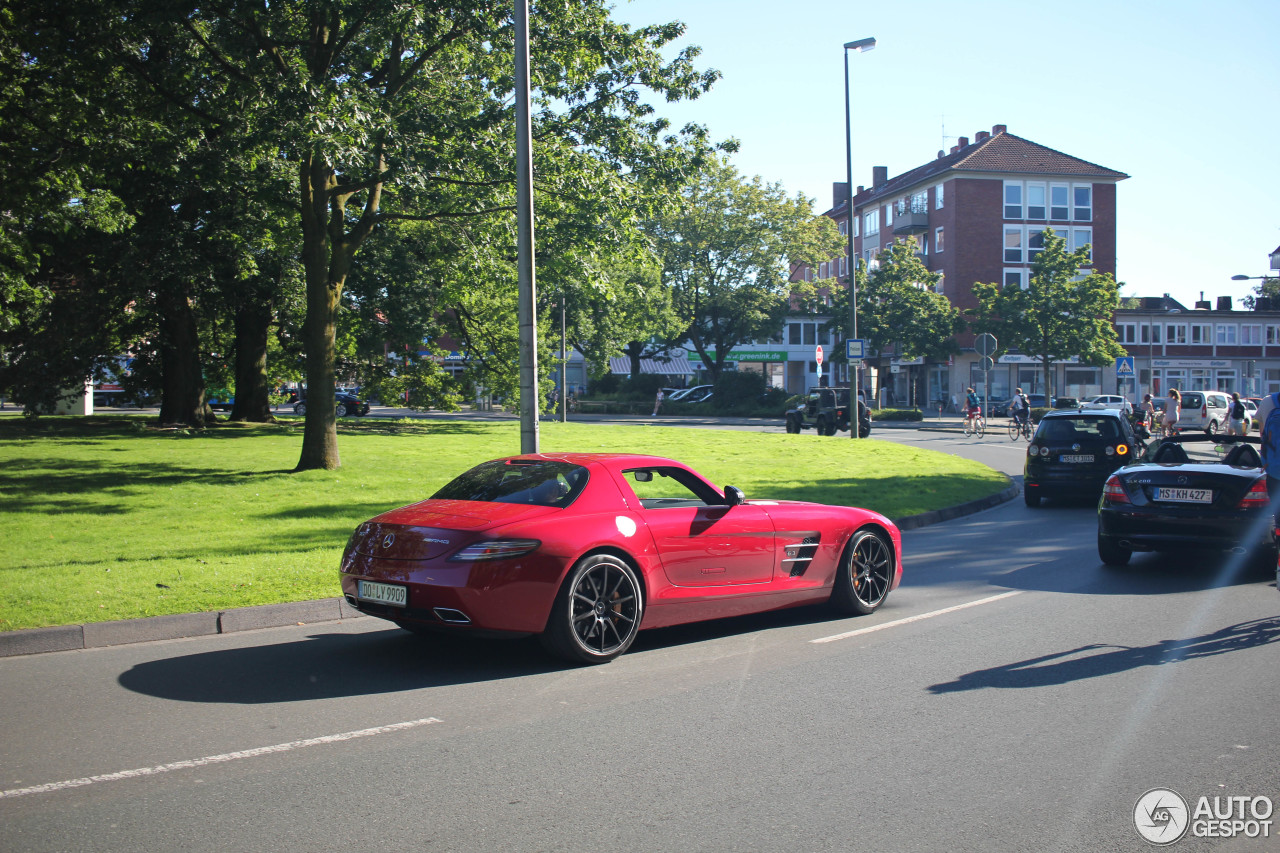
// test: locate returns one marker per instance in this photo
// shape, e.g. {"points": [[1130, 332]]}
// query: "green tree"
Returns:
{"points": [[727, 249], [1064, 311]]}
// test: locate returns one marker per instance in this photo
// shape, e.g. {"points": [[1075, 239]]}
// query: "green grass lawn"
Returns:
{"points": [[107, 518]]}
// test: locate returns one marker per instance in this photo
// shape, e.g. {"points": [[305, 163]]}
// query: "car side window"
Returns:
{"points": [[666, 488]]}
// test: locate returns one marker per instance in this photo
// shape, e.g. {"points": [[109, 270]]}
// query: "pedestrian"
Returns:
{"points": [[1235, 423], [1148, 411], [657, 403], [1172, 411]]}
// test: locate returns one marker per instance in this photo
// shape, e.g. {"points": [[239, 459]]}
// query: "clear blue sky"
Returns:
{"points": [[1182, 96]]}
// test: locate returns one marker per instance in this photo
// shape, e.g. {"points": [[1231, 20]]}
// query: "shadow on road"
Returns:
{"points": [[1097, 660]]}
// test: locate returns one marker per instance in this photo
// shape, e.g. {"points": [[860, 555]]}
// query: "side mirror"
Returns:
{"points": [[733, 495]]}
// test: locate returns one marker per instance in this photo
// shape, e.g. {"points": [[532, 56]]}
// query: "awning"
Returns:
{"points": [[675, 366]]}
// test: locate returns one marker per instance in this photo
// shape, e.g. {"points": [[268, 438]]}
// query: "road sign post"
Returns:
{"points": [[854, 350]]}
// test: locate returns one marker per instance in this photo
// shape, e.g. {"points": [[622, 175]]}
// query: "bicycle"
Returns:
{"points": [[976, 425], [1020, 429]]}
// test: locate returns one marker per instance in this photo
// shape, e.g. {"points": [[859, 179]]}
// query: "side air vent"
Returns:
{"points": [[796, 558]]}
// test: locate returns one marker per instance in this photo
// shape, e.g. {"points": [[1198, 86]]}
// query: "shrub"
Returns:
{"points": [[897, 415]]}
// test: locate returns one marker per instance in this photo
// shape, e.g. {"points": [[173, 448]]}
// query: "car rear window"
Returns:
{"points": [[540, 483], [1076, 429], [1192, 400]]}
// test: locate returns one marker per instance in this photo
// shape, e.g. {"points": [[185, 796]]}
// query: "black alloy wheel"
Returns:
{"points": [[597, 613], [300, 409], [865, 574]]}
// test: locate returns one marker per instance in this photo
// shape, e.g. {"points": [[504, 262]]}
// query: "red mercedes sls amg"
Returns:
{"points": [[587, 549]]}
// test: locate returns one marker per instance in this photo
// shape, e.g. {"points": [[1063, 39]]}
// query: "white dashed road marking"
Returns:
{"points": [[846, 635]]}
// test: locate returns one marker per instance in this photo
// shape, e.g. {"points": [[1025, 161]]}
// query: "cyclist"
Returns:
{"points": [[1020, 408], [972, 409]]}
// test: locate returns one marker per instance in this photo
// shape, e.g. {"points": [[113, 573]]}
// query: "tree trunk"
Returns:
{"points": [[253, 322], [633, 355], [320, 429], [182, 381]]}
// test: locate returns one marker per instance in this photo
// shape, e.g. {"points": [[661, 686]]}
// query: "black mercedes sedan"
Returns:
{"points": [[1073, 452], [1189, 492]]}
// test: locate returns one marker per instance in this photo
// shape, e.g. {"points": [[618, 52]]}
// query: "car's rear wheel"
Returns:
{"points": [[822, 428], [1030, 498], [1213, 428], [300, 409], [1112, 554], [597, 612], [865, 574]]}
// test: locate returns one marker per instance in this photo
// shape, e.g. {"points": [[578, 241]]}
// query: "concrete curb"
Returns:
{"points": [[93, 635]]}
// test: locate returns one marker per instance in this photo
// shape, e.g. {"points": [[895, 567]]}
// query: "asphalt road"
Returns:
{"points": [[1012, 695]]}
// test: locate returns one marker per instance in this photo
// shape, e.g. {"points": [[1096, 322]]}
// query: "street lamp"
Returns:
{"points": [[861, 46]]}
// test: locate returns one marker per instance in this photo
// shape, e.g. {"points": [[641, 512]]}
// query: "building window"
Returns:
{"points": [[1273, 335], [1226, 334], [1149, 334], [1012, 245], [857, 231], [1127, 333], [822, 270], [1035, 244], [844, 265], [871, 223], [1081, 237], [938, 196], [1059, 199], [937, 241], [1035, 201], [1175, 333], [844, 227], [793, 334], [1083, 203], [939, 287], [810, 334], [1201, 333], [1015, 278], [1250, 335], [1013, 201], [888, 215]]}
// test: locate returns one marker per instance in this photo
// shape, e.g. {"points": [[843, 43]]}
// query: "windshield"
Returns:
{"points": [[536, 482]]}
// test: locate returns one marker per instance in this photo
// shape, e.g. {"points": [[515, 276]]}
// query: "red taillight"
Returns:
{"points": [[1204, 410], [1257, 496], [1113, 492]]}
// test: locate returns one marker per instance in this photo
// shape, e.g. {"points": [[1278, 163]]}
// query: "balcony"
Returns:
{"points": [[910, 222]]}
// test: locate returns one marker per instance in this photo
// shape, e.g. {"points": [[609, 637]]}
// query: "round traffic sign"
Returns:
{"points": [[985, 344], [988, 362], [817, 355]]}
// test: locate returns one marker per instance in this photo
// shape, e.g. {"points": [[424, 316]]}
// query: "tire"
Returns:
{"points": [[968, 426], [1112, 554], [1213, 428], [1015, 431], [300, 409], [981, 427], [823, 428], [350, 410], [1029, 499], [597, 612], [864, 429], [793, 424], [865, 574]]}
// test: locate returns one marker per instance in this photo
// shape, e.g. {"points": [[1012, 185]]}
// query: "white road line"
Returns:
{"points": [[215, 759], [847, 634]]}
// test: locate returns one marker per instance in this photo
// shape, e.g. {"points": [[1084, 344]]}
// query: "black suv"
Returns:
{"points": [[1073, 453], [827, 410]]}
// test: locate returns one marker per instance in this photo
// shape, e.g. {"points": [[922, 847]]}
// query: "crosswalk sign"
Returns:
{"points": [[1124, 367]]}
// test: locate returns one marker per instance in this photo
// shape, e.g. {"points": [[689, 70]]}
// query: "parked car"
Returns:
{"points": [[1109, 401], [1206, 410], [827, 411], [697, 392], [1181, 495], [585, 550], [1073, 452], [347, 404], [1066, 402]]}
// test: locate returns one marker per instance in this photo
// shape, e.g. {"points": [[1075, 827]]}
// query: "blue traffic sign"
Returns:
{"points": [[1124, 367], [855, 348]]}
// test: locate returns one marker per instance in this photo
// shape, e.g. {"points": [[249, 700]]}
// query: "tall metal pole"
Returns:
{"points": [[855, 374], [564, 365], [527, 312]]}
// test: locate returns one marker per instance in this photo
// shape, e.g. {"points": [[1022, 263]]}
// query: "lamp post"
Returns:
{"points": [[527, 310], [861, 46]]}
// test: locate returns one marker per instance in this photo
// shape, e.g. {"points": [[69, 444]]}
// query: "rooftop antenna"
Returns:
{"points": [[944, 134]]}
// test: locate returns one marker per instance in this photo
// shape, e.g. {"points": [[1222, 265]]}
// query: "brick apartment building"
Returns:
{"points": [[978, 214]]}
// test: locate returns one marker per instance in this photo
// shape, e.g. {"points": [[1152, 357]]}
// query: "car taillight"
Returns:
{"points": [[496, 549], [1122, 449], [1113, 492], [1256, 497], [1204, 410]]}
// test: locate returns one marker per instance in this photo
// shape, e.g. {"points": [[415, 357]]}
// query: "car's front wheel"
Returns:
{"points": [[1112, 554], [300, 409], [793, 424], [1030, 498], [597, 612], [865, 574]]}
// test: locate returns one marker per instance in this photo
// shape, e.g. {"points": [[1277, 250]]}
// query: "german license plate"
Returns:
{"points": [[1194, 496], [383, 593], [1081, 457]]}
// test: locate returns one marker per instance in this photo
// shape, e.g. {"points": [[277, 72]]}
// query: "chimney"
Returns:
{"points": [[1202, 304], [964, 142], [839, 193], [982, 135], [879, 175], [1224, 303], [955, 148], [998, 129], [860, 189]]}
